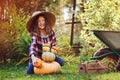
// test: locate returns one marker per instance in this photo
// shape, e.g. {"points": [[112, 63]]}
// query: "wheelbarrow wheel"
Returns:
{"points": [[104, 53], [118, 65]]}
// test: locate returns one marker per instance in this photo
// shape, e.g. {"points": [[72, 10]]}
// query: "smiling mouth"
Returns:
{"points": [[41, 26]]}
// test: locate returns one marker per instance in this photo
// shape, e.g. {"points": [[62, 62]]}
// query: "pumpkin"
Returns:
{"points": [[46, 49], [55, 48], [38, 63], [46, 45], [48, 56], [54, 51], [47, 68]]}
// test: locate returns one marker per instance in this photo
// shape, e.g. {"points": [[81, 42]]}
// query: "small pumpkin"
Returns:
{"points": [[46, 45], [46, 49], [56, 48], [47, 68], [38, 63], [54, 51], [48, 56]]}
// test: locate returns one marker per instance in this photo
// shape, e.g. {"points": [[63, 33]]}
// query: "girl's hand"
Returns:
{"points": [[56, 48], [34, 59]]}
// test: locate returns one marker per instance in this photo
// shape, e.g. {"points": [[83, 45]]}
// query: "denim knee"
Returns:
{"points": [[60, 60], [30, 68]]}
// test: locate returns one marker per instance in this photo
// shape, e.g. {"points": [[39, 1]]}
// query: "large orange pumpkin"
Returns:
{"points": [[47, 68]]}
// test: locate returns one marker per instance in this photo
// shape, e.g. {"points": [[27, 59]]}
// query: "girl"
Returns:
{"points": [[40, 27]]}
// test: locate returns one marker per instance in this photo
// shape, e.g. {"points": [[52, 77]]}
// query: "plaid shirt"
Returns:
{"points": [[37, 42]]}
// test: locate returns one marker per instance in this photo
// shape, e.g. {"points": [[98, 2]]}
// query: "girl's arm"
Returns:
{"points": [[33, 46], [54, 42]]}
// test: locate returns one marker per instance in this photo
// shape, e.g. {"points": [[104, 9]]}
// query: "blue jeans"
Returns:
{"points": [[30, 66]]}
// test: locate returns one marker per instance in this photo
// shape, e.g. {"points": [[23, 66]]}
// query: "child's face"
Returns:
{"points": [[41, 22]]}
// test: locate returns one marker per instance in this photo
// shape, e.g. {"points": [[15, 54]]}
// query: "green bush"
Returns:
{"points": [[13, 31], [98, 15]]}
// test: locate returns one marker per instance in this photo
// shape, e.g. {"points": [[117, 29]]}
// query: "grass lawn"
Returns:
{"points": [[68, 72]]}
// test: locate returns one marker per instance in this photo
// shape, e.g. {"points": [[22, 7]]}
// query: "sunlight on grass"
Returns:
{"points": [[109, 76]]}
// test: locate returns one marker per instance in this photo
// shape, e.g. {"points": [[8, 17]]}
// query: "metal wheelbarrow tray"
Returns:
{"points": [[111, 39]]}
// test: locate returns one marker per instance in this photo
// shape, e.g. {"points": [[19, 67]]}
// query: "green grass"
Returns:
{"points": [[68, 72]]}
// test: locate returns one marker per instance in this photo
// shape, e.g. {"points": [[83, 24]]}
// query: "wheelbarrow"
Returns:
{"points": [[112, 40]]}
